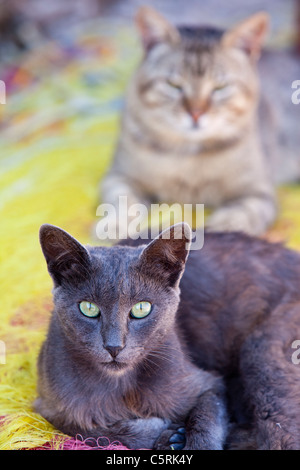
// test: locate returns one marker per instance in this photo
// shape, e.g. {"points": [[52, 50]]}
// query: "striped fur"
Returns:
{"points": [[189, 131]]}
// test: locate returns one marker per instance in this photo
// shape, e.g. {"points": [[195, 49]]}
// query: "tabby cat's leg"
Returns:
{"points": [[253, 215], [129, 206], [272, 381]]}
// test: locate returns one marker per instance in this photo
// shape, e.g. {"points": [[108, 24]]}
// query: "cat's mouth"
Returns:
{"points": [[116, 366]]}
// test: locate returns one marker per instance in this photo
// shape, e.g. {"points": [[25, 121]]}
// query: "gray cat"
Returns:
{"points": [[143, 331], [189, 129], [114, 364]]}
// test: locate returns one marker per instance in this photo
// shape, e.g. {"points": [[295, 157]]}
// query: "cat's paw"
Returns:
{"points": [[230, 219], [172, 438]]}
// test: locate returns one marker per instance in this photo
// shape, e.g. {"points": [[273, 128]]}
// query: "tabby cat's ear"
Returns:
{"points": [[67, 260], [165, 257], [249, 35], [154, 28]]}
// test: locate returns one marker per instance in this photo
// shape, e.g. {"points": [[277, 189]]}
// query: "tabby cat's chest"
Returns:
{"points": [[173, 177]]}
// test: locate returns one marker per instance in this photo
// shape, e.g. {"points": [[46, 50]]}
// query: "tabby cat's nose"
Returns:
{"points": [[114, 350], [196, 113]]}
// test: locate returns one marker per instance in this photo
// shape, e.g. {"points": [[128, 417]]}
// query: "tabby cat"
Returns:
{"points": [[144, 337], [189, 131]]}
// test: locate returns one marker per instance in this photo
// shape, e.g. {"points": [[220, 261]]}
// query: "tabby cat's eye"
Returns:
{"points": [[89, 309], [174, 84], [141, 309], [220, 87], [222, 90]]}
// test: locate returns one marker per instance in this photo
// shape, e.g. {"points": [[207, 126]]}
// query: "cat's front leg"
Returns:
{"points": [[123, 208], [139, 433], [205, 427], [206, 424], [144, 432], [173, 438], [253, 215]]}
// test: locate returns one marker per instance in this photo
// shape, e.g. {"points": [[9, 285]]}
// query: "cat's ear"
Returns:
{"points": [[165, 257], [67, 260], [249, 35], [154, 28]]}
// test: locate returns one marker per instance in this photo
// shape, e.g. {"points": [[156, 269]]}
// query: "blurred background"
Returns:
{"points": [[65, 66]]}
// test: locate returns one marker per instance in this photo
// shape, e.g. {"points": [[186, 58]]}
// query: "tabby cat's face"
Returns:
{"points": [[195, 82], [197, 92]]}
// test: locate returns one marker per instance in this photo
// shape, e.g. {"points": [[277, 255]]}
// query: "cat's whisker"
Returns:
{"points": [[159, 355]]}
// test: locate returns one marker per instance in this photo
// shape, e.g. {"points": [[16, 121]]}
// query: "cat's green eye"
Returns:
{"points": [[89, 309], [141, 309]]}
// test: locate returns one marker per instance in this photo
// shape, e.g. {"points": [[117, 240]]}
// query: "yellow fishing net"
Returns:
{"points": [[57, 133]]}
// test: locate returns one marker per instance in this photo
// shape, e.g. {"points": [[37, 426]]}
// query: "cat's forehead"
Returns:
{"points": [[197, 53], [116, 257], [116, 273], [198, 50], [199, 39], [115, 264]]}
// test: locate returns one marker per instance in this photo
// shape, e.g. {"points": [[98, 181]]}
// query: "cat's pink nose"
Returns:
{"points": [[196, 113]]}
